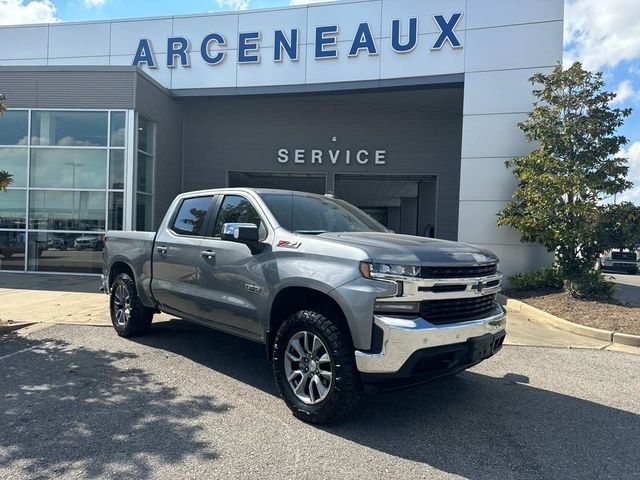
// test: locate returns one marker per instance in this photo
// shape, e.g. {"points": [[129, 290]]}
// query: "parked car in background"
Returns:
{"points": [[18, 248], [58, 243], [88, 242], [619, 260]]}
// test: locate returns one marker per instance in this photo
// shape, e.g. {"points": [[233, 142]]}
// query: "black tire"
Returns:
{"points": [[633, 271], [139, 318], [345, 389]]}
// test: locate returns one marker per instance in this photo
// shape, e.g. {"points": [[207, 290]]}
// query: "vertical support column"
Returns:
{"points": [[129, 170], [330, 183]]}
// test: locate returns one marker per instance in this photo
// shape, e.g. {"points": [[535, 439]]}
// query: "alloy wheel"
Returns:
{"points": [[121, 305], [308, 367]]}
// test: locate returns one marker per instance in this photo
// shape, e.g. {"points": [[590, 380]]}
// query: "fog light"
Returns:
{"points": [[397, 307]]}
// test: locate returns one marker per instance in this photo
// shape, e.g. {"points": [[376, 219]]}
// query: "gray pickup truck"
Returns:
{"points": [[342, 304]]}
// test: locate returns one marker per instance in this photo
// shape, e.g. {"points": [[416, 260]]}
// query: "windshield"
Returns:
{"points": [[313, 214]]}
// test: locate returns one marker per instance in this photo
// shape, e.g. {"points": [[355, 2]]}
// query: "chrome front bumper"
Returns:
{"points": [[402, 337]]}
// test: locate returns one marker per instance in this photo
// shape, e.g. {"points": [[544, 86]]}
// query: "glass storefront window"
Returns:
{"points": [[144, 222], [146, 135], [14, 161], [116, 211], [145, 173], [116, 170], [12, 251], [68, 168], [13, 208], [14, 128], [66, 210], [73, 128], [68, 186], [118, 130], [65, 252]]}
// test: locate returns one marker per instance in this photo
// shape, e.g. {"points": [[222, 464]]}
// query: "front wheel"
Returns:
{"points": [[314, 367], [128, 316]]}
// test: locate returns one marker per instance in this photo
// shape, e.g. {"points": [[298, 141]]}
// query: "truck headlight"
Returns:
{"points": [[381, 270]]}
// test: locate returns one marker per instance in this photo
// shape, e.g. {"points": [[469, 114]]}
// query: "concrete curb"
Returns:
{"points": [[14, 326], [536, 314]]}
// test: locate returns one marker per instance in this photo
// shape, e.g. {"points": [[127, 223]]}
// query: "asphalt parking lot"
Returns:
{"points": [[186, 403], [628, 287]]}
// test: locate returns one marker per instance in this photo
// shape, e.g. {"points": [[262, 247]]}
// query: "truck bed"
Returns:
{"points": [[135, 249]]}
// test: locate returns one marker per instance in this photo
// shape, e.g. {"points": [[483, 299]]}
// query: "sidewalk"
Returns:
{"points": [[60, 299], [76, 300]]}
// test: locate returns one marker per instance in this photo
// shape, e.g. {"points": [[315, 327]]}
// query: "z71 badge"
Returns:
{"points": [[288, 244]]}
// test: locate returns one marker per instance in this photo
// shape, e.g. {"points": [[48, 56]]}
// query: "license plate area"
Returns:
{"points": [[482, 347]]}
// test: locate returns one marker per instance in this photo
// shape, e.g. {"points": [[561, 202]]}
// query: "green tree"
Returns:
{"points": [[619, 226], [5, 178], [574, 167]]}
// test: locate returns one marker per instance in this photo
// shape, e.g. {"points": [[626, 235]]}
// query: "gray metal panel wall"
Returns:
{"points": [[70, 87], [155, 103], [420, 129]]}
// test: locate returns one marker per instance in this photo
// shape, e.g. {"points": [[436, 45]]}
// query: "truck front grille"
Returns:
{"points": [[628, 256], [442, 312], [459, 272]]}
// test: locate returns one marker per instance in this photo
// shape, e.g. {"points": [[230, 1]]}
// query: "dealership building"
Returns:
{"points": [[406, 108]]}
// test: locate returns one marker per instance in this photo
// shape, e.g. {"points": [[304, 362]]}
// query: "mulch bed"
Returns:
{"points": [[607, 315]]}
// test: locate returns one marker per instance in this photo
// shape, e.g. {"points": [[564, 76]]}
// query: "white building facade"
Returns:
{"points": [[407, 108]]}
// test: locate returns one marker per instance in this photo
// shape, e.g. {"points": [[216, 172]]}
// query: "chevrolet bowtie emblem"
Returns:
{"points": [[479, 286]]}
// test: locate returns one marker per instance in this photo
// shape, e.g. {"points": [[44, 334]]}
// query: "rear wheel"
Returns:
{"points": [[314, 367], [128, 316]]}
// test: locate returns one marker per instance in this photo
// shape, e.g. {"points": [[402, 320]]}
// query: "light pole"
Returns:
{"points": [[73, 187]]}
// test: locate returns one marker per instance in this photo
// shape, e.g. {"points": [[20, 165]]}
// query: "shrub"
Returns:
{"points": [[591, 284], [543, 279]]}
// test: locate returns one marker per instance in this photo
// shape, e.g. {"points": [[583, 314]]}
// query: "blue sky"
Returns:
{"points": [[604, 35]]}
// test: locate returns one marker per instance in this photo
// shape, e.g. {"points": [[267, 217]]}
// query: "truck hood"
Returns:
{"points": [[407, 249]]}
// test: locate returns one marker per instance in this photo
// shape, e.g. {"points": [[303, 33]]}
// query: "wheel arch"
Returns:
{"points": [[117, 267], [121, 265], [294, 298]]}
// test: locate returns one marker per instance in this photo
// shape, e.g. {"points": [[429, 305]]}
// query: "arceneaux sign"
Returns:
{"points": [[287, 43]]}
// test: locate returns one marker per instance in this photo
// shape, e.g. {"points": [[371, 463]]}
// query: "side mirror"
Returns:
{"points": [[240, 232]]}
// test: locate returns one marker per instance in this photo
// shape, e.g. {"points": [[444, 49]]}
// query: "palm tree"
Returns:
{"points": [[5, 180]]}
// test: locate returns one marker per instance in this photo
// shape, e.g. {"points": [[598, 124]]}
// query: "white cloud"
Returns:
{"points": [[233, 4], [633, 154], [601, 33], [14, 12], [624, 93], [305, 2], [95, 3]]}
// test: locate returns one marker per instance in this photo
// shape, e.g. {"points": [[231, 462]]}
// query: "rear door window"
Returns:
{"points": [[191, 216]]}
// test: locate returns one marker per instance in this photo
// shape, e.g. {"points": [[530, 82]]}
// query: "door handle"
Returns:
{"points": [[208, 254], [162, 250]]}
